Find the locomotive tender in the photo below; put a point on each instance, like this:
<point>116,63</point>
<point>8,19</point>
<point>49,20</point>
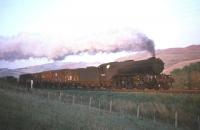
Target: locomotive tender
<point>128,74</point>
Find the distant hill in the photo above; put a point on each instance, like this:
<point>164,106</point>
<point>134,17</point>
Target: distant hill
<point>173,57</point>
<point>9,72</point>
<point>45,67</point>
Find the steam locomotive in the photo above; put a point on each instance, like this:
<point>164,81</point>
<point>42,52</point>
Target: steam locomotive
<point>128,74</point>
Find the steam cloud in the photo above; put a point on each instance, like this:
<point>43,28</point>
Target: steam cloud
<point>24,46</point>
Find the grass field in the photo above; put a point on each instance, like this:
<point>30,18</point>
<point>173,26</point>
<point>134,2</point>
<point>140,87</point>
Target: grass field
<point>48,110</point>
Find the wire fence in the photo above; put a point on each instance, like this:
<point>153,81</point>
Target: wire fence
<point>177,117</point>
<point>142,110</point>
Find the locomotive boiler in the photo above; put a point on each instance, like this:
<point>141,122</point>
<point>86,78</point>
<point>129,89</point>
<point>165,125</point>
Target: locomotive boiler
<point>128,74</point>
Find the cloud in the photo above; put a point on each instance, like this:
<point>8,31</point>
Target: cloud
<point>25,45</point>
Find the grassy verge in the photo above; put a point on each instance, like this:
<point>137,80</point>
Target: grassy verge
<point>20,110</point>
<point>159,105</point>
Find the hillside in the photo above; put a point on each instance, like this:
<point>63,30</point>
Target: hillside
<point>9,72</point>
<point>44,67</point>
<point>173,57</point>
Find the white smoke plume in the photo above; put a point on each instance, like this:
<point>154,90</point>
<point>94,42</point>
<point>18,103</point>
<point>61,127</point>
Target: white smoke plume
<point>24,46</point>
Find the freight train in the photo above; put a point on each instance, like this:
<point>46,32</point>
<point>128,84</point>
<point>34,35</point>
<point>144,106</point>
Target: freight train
<point>114,75</point>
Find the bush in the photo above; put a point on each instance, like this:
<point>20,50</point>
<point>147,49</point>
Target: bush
<point>188,77</point>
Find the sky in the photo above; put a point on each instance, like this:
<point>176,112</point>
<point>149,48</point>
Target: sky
<point>34,32</point>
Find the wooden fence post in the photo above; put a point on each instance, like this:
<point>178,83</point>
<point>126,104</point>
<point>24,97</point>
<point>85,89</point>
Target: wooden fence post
<point>60,95</point>
<point>154,116</point>
<point>73,99</point>
<point>48,95</point>
<point>198,122</point>
<point>31,83</point>
<point>138,110</point>
<point>176,119</point>
<point>99,105</point>
<point>120,110</point>
<point>81,100</point>
<point>90,102</point>
<point>110,105</point>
